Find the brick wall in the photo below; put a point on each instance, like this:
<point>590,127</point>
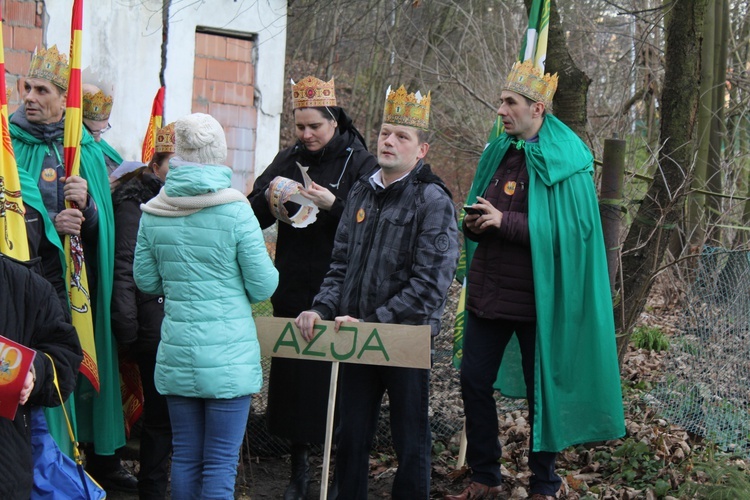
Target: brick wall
<point>223,86</point>
<point>22,33</point>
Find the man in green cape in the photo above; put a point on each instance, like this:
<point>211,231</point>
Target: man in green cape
<point>36,130</point>
<point>538,285</point>
<point>96,108</point>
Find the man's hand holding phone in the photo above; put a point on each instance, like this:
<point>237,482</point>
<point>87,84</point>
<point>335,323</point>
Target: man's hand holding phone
<point>482,216</point>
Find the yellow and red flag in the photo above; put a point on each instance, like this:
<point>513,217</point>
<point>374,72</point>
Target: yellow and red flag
<point>76,277</point>
<point>13,242</point>
<point>154,124</point>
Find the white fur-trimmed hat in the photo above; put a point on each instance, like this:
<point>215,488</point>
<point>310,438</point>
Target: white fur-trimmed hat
<point>199,138</point>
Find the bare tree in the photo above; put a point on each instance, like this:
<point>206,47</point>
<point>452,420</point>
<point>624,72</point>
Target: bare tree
<point>649,234</point>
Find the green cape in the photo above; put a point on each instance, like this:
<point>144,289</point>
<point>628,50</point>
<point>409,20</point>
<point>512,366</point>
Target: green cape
<point>577,379</point>
<point>99,417</point>
<point>109,151</point>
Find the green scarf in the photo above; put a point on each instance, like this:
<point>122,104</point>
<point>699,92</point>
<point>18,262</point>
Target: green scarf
<point>99,417</point>
<point>577,380</point>
<point>109,151</point>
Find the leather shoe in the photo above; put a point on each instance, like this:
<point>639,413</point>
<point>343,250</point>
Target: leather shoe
<point>118,480</point>
<point>477,491</point>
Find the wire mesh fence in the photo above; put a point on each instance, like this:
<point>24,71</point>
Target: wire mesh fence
<point>705,384</point>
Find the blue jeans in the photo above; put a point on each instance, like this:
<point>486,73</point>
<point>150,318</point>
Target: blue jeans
<point>485,341</point>
<point>361,389</point>
<point>207,434</point>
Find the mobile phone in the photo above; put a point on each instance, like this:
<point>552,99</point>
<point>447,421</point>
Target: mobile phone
<point>472,210</point>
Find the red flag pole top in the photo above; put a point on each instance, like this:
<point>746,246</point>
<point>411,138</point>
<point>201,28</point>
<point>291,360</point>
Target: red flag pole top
<point>73,116</point>
<point>155,122</point>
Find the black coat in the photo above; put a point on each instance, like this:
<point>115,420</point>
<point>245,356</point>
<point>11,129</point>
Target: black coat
<point>300,387</point>
<point>501,280</point>
<point>30,314</point>
<point>303,254</point>
<point>136,316</point>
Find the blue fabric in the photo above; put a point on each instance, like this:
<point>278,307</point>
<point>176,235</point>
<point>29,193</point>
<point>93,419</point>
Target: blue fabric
<point>361,389</point>
<point>207,438</point>
<point>210,266</point>
<point>56,476</point>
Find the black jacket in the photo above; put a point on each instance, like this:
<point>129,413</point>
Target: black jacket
<point>30,314</point>
<point>302,258</point>
<point>395,253</point>
<point>136,316</point>
<point>304,254</point>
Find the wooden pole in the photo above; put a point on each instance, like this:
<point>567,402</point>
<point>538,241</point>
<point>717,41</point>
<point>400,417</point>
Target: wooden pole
<point>329,430</point>
<point>462,448</point>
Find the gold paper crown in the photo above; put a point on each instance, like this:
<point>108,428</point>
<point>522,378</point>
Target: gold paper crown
<point>97,106</point>
<point>402,108</point>
<point>311,92</point>
<point>50,65</point>
<point>165,139</point>
<point>527,80</point>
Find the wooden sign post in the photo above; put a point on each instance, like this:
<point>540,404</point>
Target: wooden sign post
<point>365,343</point>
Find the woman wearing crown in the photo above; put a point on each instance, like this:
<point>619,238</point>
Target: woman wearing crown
<point>334,150</point>
<point>137,316</point>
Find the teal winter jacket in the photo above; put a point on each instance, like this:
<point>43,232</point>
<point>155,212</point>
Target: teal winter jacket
<point>200,245</point>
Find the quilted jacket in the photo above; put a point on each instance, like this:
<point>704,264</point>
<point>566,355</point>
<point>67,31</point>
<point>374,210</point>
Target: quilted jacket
<point>210,266</point>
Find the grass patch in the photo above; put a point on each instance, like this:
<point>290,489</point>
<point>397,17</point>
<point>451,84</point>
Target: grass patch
<point>649,337</point>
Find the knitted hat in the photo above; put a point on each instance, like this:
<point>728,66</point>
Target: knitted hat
<point>199,138</point>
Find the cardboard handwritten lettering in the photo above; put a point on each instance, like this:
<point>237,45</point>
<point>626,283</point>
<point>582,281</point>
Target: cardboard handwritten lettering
<point>364,343</point>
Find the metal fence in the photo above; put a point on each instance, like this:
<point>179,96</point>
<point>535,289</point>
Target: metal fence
<point>704,387</point>
<point>705,384</point>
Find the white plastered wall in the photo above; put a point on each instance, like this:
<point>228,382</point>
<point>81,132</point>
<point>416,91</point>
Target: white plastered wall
<point>122,44</point>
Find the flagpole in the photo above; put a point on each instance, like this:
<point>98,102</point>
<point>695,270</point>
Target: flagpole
<point>76,273</point>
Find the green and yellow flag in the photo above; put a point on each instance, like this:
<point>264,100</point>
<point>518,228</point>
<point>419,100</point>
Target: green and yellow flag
<point>13,241</point>
<point>76,277</point>
<point>534,48</point>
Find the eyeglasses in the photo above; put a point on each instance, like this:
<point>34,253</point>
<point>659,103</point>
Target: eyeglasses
<point>101,131</point>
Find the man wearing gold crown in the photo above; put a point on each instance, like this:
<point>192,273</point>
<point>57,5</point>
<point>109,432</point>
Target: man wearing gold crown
<point>394,257</point>
<point>96,108</point>
<point>537,269</point>
<point>36,130</point>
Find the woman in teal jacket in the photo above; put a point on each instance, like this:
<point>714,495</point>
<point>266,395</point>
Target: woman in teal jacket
<point>200,245</point>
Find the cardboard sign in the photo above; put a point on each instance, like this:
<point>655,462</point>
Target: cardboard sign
<point>365,343</point>
<point>15,362</point>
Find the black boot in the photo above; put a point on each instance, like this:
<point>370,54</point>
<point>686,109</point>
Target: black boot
<point>297,489</point>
